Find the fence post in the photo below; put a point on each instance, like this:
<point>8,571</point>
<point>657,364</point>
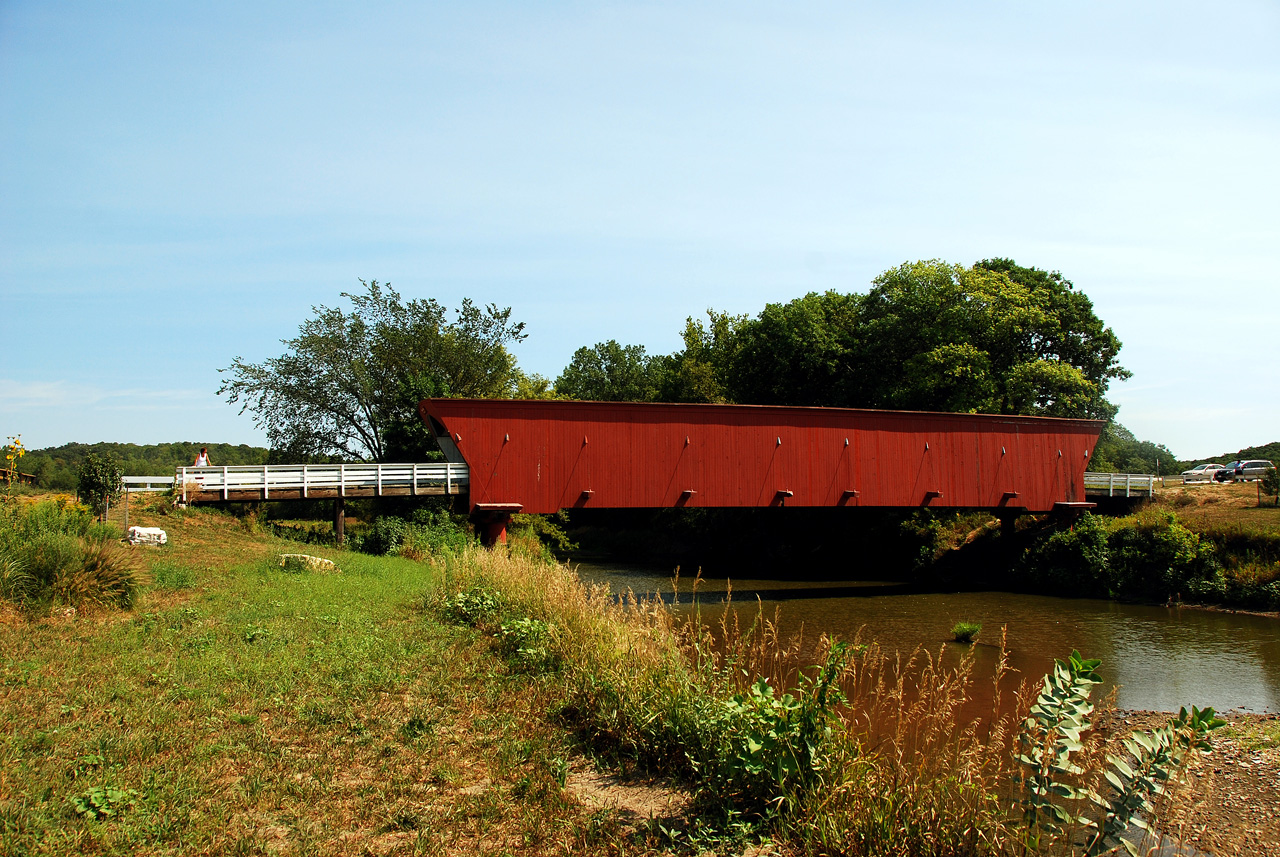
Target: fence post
<point>266,483</point>
<point>225,492</point>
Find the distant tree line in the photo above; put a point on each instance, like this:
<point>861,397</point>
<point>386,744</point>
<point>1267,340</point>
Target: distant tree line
<point>56,467</point>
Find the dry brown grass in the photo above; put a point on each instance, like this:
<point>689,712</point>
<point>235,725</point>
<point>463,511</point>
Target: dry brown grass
<point>1213,505</point>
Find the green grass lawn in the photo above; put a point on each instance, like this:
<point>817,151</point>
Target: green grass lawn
<point>243,709</point>
<point>238,708</point>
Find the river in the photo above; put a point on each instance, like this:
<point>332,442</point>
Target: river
<point>1157,658</point>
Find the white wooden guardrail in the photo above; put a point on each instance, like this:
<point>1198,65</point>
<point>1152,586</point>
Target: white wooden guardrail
<point>299,481</point>
<point>147,483</point>
<point>1120,484</point>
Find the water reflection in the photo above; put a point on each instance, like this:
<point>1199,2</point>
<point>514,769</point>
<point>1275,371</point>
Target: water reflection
<point>1156,657</point>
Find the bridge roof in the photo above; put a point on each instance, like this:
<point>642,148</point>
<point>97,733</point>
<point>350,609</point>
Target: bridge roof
<point>547,455</point>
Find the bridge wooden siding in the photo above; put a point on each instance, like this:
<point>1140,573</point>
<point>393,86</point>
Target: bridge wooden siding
<point>542,456</point>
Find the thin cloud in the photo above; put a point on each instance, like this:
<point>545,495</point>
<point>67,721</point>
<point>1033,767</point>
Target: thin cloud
<point>19,396</point>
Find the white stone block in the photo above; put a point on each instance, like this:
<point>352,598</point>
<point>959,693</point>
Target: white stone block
<point>148,536</point>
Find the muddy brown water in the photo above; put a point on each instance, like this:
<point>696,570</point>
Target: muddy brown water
<point>1157,658</point>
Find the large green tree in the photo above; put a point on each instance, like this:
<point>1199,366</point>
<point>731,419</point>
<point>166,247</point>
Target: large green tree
<point>699,372</point>
<point>609,372</point>
<point>804,352</point>
<point>996,337</point>
<point>944,337</point>
<point>348,385</point>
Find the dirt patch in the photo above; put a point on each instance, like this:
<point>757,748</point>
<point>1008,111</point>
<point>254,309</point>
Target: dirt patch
<point>635,800</point>
<point>1230,801</point>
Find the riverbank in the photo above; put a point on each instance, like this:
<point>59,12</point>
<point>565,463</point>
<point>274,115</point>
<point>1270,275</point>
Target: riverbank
<point>475,702</point>
<point>1233,806</point>
<point>242,709</point>
<point>1201,545</point>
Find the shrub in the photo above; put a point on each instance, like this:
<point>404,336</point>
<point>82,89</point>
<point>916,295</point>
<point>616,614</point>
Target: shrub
<point>16,583</point>
<point>384,537</point>
<point>475,607</point>
<point>105,575</point>
<point>434,531</point>
<point>99,481</point>
<point>965,632</point>
<point>540,535</point>
<point>527,645</point>
<point>1057,773</point>
<point>53,550</point>
<point>1270,485</point>
<point>1152,556</point>
<point>1073,561</point>
<point>771,746</point>
<point>1157,556</point>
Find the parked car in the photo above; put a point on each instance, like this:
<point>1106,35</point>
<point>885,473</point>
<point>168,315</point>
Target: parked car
<point>1228,472</point>
<point>1245,470</point>
<point>1201,473</point>
<point>1252,470</point>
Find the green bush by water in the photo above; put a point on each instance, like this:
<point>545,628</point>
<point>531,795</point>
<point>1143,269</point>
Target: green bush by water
<point>1151,556</point>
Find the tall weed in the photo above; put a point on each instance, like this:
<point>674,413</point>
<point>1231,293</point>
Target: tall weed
<point>54,551</point>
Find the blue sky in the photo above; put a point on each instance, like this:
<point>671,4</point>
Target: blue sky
<point>181,183</point>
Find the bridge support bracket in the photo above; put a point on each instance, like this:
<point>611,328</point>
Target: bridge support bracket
<point>1008,517</point>
<point>1070,510</point>
<point>491,519</point>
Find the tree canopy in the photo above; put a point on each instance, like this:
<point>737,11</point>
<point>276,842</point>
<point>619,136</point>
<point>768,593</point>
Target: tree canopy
<point>348,385</point>
<point>99,481</point>
<point>609,372</point>
<point>995,337</point>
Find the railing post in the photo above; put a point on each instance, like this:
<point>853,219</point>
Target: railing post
<point>225,494</point>
<point>378,477</point>
<point>342,480</point>
<point>448,478</point>
<point>304,482</point>
<point>182,471</point>
<point>413,490</point>
<point>266,483</point>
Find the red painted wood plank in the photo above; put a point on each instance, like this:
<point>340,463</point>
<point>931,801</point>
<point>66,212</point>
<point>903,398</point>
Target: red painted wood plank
<point>552,455</point>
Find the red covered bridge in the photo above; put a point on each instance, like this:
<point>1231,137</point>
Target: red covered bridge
<point>542,456</point>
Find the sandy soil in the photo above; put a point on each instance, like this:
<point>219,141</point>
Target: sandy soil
<point>1230,801</point>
